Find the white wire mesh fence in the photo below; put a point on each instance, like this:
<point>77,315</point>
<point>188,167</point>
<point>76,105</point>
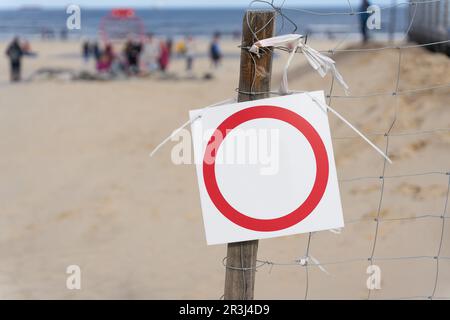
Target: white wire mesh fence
<point>430,13</point>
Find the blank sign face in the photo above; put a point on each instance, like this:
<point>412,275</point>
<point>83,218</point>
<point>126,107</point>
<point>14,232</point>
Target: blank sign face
<point>289,167</point>
<point>265,169</point>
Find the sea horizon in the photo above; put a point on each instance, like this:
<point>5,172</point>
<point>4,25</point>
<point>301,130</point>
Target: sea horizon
<point>32,22</point>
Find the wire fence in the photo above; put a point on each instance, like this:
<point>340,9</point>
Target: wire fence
<point>307,261</point>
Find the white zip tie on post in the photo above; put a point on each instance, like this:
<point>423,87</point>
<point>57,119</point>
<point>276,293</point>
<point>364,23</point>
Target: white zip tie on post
<point>176,131</point>
<point>326,107</point>
<point>320,62</point>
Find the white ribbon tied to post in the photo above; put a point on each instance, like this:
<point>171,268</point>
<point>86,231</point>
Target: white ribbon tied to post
<point>321,63</point>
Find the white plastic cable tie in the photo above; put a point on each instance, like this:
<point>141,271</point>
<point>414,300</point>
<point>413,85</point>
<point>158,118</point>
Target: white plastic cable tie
<point>326,107</point>
<point>303,261</point>
<point>176,131</point>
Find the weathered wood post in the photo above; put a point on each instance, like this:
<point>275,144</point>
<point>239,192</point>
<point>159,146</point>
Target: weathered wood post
<point>254,83</point>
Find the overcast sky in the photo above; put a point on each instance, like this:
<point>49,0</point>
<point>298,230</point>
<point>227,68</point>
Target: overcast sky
<point>170,3</point>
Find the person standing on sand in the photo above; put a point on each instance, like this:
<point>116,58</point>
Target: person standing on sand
<point>190,53</point>
<point>85,51</point>
<point>169,45</point>
<point>109,52</point>
<point>149,56</point>
<point>106,60</point>
<point>214,51</point>
<point>133,50</point>
<point>15,54</point>
<point>363,19</point>
<point>103,64</point>
<point>95,50</point>
<point>164,56</point>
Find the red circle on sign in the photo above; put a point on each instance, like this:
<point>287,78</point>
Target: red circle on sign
<point>320,154</point>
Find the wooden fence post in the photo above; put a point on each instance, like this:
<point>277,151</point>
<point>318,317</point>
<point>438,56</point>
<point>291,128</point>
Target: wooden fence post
<point>255,77</point>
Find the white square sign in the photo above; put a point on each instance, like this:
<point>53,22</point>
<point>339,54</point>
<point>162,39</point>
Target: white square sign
<point>266,169</point>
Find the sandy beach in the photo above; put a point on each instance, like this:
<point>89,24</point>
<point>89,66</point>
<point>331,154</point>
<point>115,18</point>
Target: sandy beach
<point>78,186</point>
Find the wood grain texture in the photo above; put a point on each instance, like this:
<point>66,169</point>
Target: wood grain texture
<point>255,77</point>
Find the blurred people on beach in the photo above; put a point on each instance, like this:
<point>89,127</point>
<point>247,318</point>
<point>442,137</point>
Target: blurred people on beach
<point>137,58</point>
<point>85,51</point>
<point>364,16</point>
<point>164,55</point>
<point>104,64</point>
<point>144,55</point>
<point>190,52</point>
<point>15,53</point>
<point>90,48</point>
<point>106,60</point>
<point>180,48</point>
<point>215,51</point>
<point>169,44</point>
<point>95,50</point>
<point>132,51</point>
<point>150,54</point>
